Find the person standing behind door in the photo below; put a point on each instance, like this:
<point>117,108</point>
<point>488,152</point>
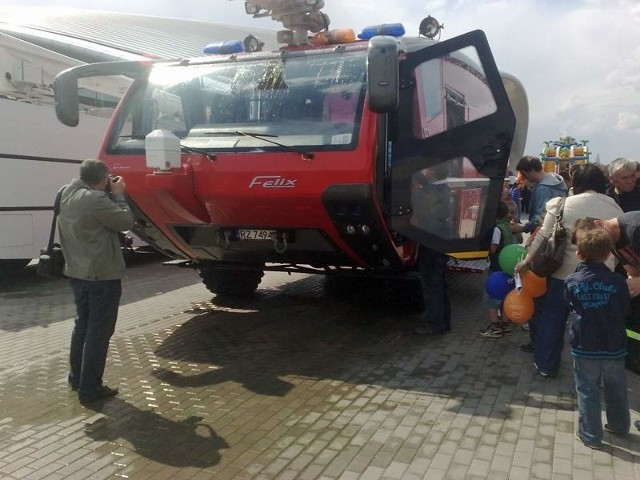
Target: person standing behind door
<point>89,222</point>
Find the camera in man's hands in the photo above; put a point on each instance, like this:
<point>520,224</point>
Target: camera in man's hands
<point>112,179</point>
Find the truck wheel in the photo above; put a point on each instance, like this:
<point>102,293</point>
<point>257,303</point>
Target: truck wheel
<point>231,283</point>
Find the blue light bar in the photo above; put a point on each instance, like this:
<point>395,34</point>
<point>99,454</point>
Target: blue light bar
<point>391,29</point>
<point>224,48</point>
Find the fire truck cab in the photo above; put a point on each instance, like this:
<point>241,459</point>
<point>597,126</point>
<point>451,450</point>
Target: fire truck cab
<point>337,156</point>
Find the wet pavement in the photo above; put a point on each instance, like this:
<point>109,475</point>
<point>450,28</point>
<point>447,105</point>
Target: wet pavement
<point>301,381</point>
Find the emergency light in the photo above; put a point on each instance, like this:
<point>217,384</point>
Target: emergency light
<point>224,48</point>
<point>333,37</point>
<point>391,29</point>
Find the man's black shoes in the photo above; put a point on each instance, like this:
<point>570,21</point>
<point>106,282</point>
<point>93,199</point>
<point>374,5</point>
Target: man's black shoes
<point>101,393</point>
<point>545,374</point>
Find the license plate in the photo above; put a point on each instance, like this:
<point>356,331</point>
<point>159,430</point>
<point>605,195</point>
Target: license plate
<point>254,234</point>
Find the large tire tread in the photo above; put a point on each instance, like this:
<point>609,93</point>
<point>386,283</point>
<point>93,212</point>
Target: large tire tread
<point>231,283</point>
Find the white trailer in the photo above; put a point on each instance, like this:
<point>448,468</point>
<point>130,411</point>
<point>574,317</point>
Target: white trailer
<point>37,153</point>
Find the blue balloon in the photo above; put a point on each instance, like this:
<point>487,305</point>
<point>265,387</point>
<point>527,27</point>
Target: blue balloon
<point>498,285</point>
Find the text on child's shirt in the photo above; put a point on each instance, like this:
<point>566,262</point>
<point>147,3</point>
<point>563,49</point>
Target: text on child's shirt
<point>593,295</point>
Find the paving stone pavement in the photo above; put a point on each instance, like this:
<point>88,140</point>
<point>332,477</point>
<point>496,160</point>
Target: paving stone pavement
<point>301,381</point>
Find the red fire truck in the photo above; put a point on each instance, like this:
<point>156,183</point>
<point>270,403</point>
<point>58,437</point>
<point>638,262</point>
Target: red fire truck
<point>333,154</point>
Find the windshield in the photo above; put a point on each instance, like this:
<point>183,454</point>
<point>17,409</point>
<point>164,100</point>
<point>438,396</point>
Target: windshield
<point>305,100</point>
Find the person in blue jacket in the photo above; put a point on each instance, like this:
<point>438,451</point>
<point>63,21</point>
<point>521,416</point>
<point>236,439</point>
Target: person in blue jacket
<point>601,301</point>
<point>547,186</point>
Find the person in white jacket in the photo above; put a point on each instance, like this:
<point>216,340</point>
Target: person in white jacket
<point>589,200</point>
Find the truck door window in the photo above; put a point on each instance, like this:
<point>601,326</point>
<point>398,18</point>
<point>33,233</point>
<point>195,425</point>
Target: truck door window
<point>440,104</point>
<point>447,198</point>
<point>450,149</point>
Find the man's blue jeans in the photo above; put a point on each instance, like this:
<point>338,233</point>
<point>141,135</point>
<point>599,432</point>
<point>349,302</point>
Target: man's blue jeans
<point>534,321</point>
<point>550,327</point>
<point>589,374</point>
<point>96,313</point>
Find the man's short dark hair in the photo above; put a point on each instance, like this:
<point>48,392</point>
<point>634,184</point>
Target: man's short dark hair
<point>529,163</point>
<point>589,177</point>
<point>93,171</point>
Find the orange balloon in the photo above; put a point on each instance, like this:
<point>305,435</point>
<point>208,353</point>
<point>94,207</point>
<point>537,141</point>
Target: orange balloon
<point>533,284</point>
<point>518,306</point>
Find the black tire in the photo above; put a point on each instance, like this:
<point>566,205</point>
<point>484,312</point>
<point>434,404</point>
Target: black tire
<point>230,282</point>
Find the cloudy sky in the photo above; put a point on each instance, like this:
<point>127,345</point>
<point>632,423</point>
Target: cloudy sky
<point>578,59</point>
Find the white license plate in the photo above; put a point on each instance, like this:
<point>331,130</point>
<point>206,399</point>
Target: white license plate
<point>252,234</point>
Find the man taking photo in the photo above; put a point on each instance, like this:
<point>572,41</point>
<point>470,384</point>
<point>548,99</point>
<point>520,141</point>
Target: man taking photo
<point>93,211</point>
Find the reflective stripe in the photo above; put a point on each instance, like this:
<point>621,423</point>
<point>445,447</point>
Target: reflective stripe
<point>632,334</point>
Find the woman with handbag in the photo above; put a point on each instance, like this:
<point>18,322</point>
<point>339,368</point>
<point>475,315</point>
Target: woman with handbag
<point>589,200</point>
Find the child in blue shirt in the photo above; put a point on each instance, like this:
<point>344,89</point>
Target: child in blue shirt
<point>601,302</point>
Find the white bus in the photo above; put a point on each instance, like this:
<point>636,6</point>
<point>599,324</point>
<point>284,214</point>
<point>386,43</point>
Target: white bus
<point>37,153</point>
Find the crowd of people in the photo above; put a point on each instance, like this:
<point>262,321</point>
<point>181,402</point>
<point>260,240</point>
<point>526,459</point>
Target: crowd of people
<point>596,290</point>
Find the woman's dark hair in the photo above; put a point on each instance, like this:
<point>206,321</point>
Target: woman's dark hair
<point>589,177</point>
<point>529,163</point>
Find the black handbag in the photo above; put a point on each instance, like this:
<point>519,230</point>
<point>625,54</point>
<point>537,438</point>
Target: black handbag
<point>550,253</point>
<point>51,260</point>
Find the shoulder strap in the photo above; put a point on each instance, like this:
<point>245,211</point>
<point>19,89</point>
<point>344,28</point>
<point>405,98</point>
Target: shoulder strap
<point>560,211</point>
<point>56,212</point>
<point>557,224</point>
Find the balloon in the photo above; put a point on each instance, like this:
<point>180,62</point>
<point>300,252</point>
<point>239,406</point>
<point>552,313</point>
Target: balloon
<point>518,306</point>
<point>533,284</point>
<point>498,285</point>
<point>509,256</point>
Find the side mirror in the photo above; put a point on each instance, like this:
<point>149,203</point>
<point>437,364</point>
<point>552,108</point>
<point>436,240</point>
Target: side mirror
<point>65,87</point>
<point>383,73</point>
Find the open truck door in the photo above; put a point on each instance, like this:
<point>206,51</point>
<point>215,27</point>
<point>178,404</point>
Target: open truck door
<point>452,136</point>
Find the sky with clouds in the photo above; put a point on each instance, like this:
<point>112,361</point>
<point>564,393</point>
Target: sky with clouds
<point>578,59</point>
